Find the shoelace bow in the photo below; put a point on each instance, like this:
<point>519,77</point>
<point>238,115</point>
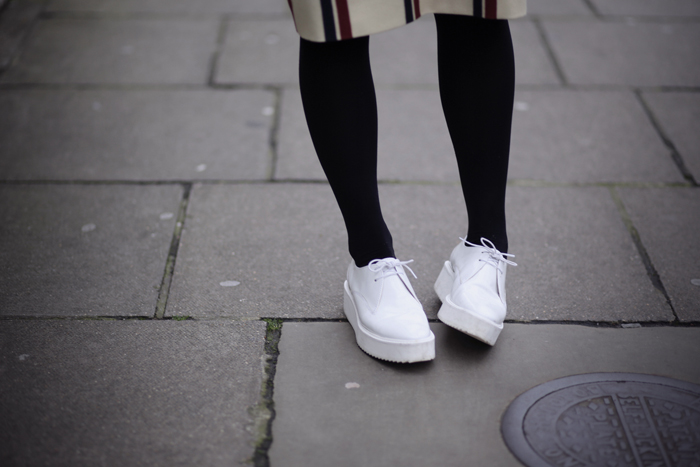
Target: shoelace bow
<point>389,267</point>
<point>495,257</point>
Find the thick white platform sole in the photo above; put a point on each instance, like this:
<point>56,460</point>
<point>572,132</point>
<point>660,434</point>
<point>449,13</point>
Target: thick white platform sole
<point>462,319</point>
<point>383,348</point>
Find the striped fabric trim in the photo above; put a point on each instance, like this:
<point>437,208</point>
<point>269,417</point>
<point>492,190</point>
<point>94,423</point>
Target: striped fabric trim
<point>486,9</point>
<point>330,10</point>
<point>339,8</point>
<point>344,19</point>
<point>328,20</point>
<point>335,20</point>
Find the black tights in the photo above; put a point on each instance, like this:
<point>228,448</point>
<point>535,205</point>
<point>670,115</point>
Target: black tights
<point>477,79</point>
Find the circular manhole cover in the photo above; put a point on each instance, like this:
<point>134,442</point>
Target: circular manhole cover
<point>607,420</point>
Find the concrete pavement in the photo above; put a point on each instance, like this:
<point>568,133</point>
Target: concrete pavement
<point>172,258</point>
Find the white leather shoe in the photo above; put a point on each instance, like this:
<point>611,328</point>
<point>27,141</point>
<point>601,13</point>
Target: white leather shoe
<point>388,319</point>
<point>472,287</point>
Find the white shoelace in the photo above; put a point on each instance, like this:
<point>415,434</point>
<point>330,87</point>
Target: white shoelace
<point>495,257</point>
<point>389,267</point>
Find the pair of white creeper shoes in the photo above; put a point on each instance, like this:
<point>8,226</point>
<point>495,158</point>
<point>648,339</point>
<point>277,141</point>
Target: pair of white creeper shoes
<point>389,321</point>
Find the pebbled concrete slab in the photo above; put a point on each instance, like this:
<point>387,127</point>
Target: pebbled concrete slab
<point>446,412</point>
<point>284,244</point>
<point>268,52</point>
<point>678,113</point>
<point>135,135</point>
<point>413,140</point>
<point>278,249</point>
<point>129,392</point>
<point>586,136</point>
<point>172,6</point>
<point>15,22</point>
<point>648,7</point>
<point>668,224</point>
<point>259,52</point>
<point>84,250</point>
<point>657,54</point>
<point>558,8</point>
<point>576,259</point>
<point>558,136</point>
<point>116,51</point>
<point>408,55</point>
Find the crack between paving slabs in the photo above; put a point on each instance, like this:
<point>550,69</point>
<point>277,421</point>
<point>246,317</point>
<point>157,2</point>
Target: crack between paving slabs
<point>274,131</point>
<point>172,254</point>
<point>558,70</point>
<point>646,259</point>
<point>264,412</point>
<point>220,42</point>
<point>675,154</point>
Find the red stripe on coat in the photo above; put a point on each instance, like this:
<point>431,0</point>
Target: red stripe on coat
<point>491,9</point>
<point>341,6</point>
<point>416,8</point>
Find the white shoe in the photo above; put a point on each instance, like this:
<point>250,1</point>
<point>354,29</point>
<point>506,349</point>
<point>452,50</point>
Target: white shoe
<point>388,319</point>
<point>472,287</point>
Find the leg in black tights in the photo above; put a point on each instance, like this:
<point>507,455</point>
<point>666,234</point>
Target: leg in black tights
<point>477,81</point>
<point>341,110</point>
<point>475,61</point>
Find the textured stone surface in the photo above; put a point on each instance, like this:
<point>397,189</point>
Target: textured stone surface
<point>648,7</point>
<point>172,6</point>
<point>576,260</point>
<point>268,51</point>
<point>134,135</point>
<point>413,140</point>
<point>284,245</point>
<point>287,250</point>
<point>72,250</point>
<point>558,136</point>
<point>128,392</point>
<point>586,136</point>
<point>678,113</point>
<point>15,22</point>
<point>259,52</point>
<point>446,412</point>
<point>408,55</point>
<point>668,221</point>
<point>657,54</point>
<point>122,51</point>
<point>557,8</point>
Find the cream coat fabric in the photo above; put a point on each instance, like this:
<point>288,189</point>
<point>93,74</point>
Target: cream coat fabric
<point>332,20</point>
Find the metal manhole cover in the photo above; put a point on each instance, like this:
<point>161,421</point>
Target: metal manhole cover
<point>606,420</point>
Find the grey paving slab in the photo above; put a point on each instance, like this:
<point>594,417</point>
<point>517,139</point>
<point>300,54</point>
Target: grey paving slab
<point>268,51</point>
<point>135,135</point>
<point>84,250</point>
<point>446,412</point>
<point>586,136</point>
<point>576,259</point>
<point>259,52</point>
<point>278,249</point>
<point>558,8</point>
<point>128,392</point>
<point>414,143</point>
<point>408,55</point>
<point>678,113</point>
<point>657,54</point>
<point>648,7</point>
<point>668,221</point>
<point>285,246</point>
<point>15,22</point>
<point>171,6</point>
<point>119,51</point>
<point>559,136</point>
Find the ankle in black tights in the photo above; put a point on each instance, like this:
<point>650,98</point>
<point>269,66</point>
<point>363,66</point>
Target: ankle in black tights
<point>476,70</point>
